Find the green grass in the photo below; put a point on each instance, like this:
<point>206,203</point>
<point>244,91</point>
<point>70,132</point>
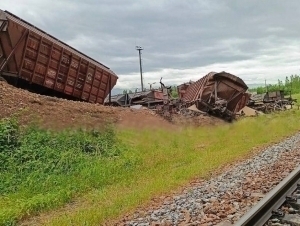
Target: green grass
<point>135,166</point>
<point>41,169</point>
<point>297,96</point>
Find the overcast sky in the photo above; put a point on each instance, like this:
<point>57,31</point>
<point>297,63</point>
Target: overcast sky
<point>182,40</point>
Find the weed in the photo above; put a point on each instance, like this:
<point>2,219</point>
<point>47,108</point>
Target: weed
<point>35,161</point>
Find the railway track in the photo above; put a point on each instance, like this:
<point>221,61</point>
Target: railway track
<point>281,206</point>
<point>225,198</point>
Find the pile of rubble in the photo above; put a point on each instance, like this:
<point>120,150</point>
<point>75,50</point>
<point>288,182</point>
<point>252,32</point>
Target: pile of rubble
<point>218,94</point>
<point>271,101</point>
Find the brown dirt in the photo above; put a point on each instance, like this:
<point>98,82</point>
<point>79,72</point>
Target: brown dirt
<point>201,120</point>
<point>57,113</point>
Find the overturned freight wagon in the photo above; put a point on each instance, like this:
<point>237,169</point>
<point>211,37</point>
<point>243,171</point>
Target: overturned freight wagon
<point>221,94</point>
<point>31,56</point>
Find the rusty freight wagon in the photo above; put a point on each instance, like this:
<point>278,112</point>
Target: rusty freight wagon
<point>221,94</point>
<point>31,56</point>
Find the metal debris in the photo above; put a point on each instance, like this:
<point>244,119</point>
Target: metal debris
<point>220,94</point>
<point>271,101</point>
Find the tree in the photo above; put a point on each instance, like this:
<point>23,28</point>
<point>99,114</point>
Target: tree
<point>291,84</point>
<point>174,92</point>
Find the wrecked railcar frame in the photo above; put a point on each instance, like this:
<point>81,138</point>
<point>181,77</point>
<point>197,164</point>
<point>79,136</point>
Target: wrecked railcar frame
<point>149,99</point>
<point>221,94</point>
<point>271,101</point>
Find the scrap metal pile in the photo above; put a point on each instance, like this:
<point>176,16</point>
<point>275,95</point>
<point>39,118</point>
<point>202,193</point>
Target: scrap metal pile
<point>271,101</point>
<point>220,94</point>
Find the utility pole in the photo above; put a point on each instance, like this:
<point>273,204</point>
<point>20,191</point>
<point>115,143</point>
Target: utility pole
<point>138,48</point>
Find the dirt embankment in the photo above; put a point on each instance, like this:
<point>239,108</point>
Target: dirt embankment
<point>57,113</point>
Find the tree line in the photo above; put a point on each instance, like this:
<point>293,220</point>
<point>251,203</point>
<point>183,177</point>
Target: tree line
<point>290,85</point>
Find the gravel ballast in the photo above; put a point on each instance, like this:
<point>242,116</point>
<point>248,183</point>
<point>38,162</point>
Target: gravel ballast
<point>223,199</point>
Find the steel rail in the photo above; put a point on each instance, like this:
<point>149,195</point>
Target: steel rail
<point>262,211</point>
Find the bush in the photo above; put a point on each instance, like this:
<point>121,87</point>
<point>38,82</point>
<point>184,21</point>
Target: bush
<point>8,135</point>
<point>9,141</point>
<point>35,154</point>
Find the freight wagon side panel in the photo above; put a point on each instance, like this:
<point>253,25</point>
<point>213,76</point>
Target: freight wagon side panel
<point>34,56</point>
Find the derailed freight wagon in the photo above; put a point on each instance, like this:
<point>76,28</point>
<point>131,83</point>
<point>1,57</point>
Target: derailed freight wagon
<point>31,56</point>
<point>221,94</point>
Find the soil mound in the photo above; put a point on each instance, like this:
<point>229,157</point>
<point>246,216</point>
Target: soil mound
<point>57,113</point>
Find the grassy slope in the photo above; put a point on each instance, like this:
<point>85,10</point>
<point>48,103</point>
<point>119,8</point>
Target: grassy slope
<point>297,96</point>
<point>160,161</point>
